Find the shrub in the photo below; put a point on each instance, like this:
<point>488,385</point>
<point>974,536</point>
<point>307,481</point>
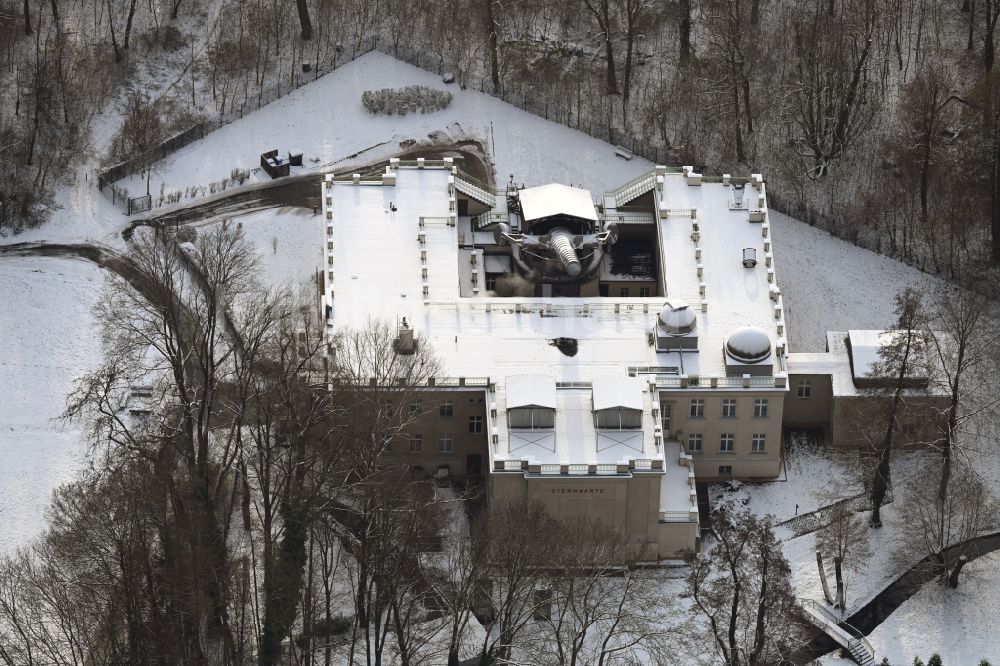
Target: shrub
<point>389,101</point>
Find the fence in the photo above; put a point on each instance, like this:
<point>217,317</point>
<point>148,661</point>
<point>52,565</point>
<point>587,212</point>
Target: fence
<point>119,196</point>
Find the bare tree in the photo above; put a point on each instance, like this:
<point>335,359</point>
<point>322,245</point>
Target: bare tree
<point>305,22</point>
<point>522,540</point>
<point>601,12</point>
<point>830,100</point>
<point>142,130</point>
<point>945,531</point>
<point>729,56</point>
<point>963,344</point>
<point>172,327</point>
<point>601,611</point>
<point>845,538</point>
<point>900,358</point>
<point>742,589</point>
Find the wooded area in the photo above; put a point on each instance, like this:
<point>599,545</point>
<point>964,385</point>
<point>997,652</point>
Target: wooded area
<point>876,119</point>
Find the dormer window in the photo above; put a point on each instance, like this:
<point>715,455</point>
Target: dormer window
<point>531,418</point>
<point>618,403</point>
<point>531,402</point>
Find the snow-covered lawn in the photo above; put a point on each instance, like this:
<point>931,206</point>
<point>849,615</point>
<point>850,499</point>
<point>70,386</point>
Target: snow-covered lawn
<point>832,285</point>
<point>327,122</point>
<point>959,624</point>
<point>48,336</point>
<point>290,243</point>
<point>814,476</point>
<point>893,549</point>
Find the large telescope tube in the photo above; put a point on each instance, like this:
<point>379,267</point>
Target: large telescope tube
<point>561,241</point>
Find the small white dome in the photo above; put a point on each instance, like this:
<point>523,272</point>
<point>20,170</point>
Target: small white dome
<point>676,318</point>
<point>748,344</point>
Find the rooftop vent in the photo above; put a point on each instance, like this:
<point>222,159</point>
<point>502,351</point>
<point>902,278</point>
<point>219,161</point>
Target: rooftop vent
<point>676,327</point>
<point>749,257</point>
<point>676,318</point>
<point>748,345</point>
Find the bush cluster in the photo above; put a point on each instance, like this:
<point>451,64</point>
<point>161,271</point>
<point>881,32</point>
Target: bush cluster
<point>389,101</point>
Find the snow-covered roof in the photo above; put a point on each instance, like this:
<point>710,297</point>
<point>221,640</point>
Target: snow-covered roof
<point>531,391</point>
<point>556,199</point>
<point>865,347</point>
<point>617,391</point>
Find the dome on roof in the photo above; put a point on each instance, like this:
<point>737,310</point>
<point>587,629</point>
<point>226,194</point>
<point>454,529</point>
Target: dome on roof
<point>676,318</point>
<point>748,344</point>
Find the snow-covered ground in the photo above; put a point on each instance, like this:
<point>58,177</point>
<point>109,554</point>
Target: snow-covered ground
<point>959,624</point>
<point>290,243</point>
<point>832,285</point>
<point>326,120</point>
<point>48,337</point>
<point>889,558</point>
<point>814,476</point>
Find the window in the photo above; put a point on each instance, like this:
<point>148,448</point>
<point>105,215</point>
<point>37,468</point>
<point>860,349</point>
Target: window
<point>760,407</point>
<point>416,406</point>
<point>532,418</point>
<point>665,409</point>
<point>729,408</point>
<point>447,407</point>
<point>416,443</point>
<point>725,470</point>
<point>444,443</point>
<point>757,443</point>
<point>643,292</point>
<point>805,389</point>
<point>697,408</point>
<point>694,442</point>
<point>726,443</point>
<point>491,281</point>
<point>475,424</point>
<point>618,418</point>
<point>623,292</point>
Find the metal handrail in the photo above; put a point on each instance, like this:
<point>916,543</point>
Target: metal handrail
<point>857,637</point>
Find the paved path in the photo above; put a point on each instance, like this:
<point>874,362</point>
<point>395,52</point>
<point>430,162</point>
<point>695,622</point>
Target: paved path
<point>892,597</point>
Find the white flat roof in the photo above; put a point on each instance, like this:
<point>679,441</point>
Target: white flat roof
<point>380,268</point>
<point>556,199</point>
<point>865,347</point>
<point>617,391</point>
<point>530,391</point>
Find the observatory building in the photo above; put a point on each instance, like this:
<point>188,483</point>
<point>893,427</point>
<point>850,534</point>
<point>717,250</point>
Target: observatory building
<point>597,357</point>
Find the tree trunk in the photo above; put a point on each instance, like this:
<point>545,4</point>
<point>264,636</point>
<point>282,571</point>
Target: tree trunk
<point>27,18</point>
<point>822,577</point>
<point>493,43</point>
<point>128,25</point>
<point>304,21</point>
<point>738,123</point>
<point>173,10</point>
<point>838,563</point>
<point>612,77</point>
<point>953,578</point>
<point>282,585</point>
<point>685,31</point>
<point>995,192</point>
<point>972,25</point>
